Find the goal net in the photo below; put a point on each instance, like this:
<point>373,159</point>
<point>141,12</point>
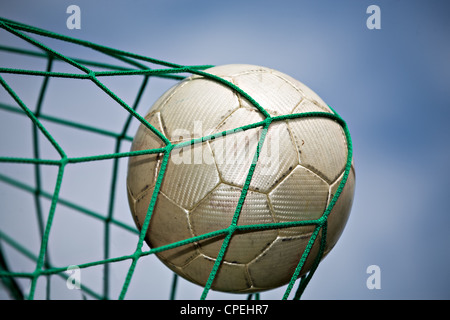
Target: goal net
<point>68,111</point>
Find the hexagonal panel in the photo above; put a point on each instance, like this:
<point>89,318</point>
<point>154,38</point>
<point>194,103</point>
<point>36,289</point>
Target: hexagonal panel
<point>196,108</point>
<point>322,145</point>
<point>190,175</point>
<point>216,212</point>
<point>302,195</point>
<point>307,92</point>
<point>143,169</point>
<point>270,89</point>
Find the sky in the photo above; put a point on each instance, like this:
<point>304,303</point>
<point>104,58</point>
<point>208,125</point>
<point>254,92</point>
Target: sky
<point>389,84</point>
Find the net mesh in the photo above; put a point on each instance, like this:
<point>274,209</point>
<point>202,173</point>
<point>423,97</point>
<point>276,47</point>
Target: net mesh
<point>130,65</point>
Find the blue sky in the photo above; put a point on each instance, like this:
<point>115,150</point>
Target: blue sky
<point>390,85</point>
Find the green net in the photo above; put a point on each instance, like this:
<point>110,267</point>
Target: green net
<point>130,65</point>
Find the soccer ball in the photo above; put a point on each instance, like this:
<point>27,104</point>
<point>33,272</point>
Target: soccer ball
<point>300,166</point>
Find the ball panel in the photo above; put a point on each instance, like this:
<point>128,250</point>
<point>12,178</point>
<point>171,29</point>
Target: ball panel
<point>302,195</point>
<point>278,157</point>
<point>278,154</point>
<point>190,175</point>
<point>204,104</point>
<point>216,212</point>
<point>233,155</point>
<point>283,256</point>
<point>309,106</point>
<point>272,92</point>
<point>321,144</point>
<point>229,277</point>
<point>340,213</point>
<point>239,118</point>
<point>143,169</point>
<point>132,205</point>
<point>168,224</point>
<point>306,91</point>
<point>165,97</point>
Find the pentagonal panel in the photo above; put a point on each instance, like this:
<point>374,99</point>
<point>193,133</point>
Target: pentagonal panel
<point>143,169</point>
<point>202,103</point>
<point>234,154</point>
<point>322,145</point>
<point>190,174</point>
<point>302,195</point>
<point>168,224</point>
<point>278,156</point>
<point>216,212</point>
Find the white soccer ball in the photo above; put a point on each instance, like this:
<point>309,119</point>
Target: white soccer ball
<point>300,167</point>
